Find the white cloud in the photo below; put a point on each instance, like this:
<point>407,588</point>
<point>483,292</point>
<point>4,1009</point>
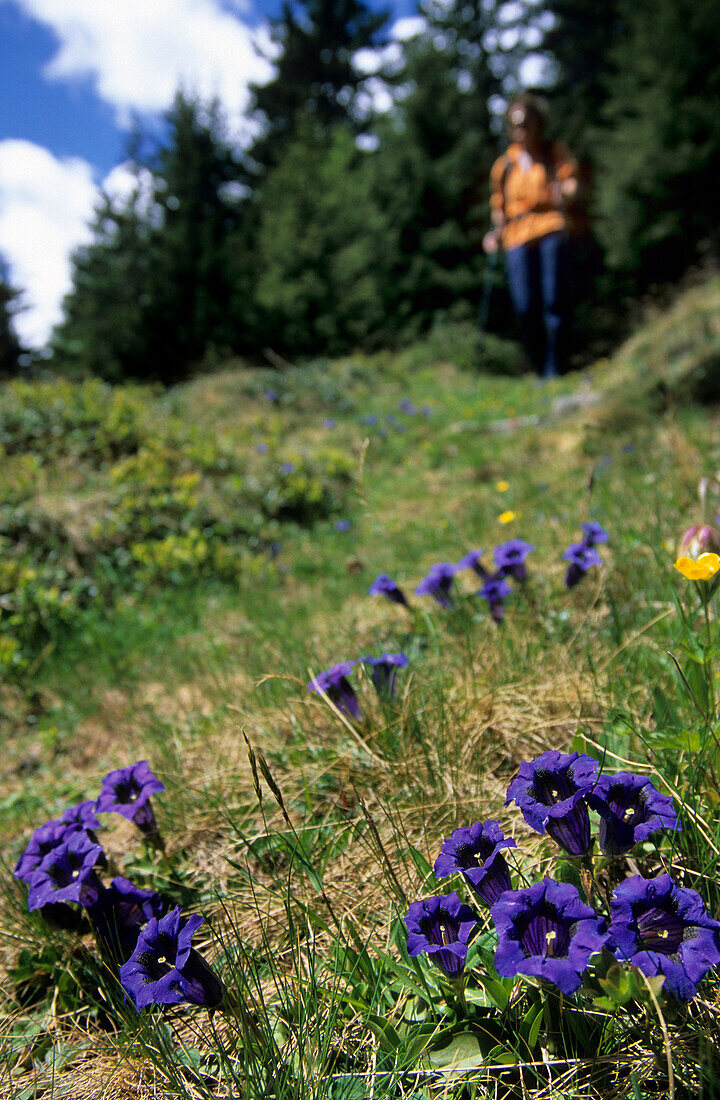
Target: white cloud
<point>45,207</point>
<point>137,53</point>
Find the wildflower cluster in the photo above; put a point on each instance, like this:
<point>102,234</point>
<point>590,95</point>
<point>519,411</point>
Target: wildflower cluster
<point>582,555</point>
<point>334,681</point>
<point>549,930</point>
<point>62,866</point>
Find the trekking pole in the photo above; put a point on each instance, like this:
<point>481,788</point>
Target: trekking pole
<point>487,289</point>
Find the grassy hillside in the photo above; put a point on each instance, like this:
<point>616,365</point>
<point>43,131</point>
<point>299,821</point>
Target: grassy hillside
<point>176,566</point>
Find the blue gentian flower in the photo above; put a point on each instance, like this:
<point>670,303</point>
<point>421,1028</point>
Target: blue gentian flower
<point>127,791</point>
<point>384,585</point>
<point>510,558</point>
<point>82,816</point>
<point>581,557</point>
<point>438,583</point>
<point>441,927</point>
<point>594,533</point>
<point>261,448</point>
<point>426,410</point>
<point>165,969</point>
<point>43,841</point>
<point>287,468</point>
<point>630,809</point>
<point>551,793</point>
<point>329,423</point>
<point>407,406</point>
<point>67,873</point>
<point>371,420</point>
<point>472,561</point>
<point>342,525</point>
<point>120,912</point>
<point>495,590</point>
<point>664,929</point>
<point>385,670</point>
<point>547,932</point>
<point>272,396</point>
<point>476,852</point>
<point>334,683</point>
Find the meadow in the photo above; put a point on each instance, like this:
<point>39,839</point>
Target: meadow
<point>179,565</point>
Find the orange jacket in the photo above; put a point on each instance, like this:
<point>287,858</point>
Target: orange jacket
<point>524,194</point>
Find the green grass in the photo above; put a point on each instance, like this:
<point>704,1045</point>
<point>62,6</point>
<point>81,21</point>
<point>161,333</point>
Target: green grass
<point>304,867</point>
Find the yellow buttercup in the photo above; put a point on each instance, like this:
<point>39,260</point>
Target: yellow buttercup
<point>700,569</point>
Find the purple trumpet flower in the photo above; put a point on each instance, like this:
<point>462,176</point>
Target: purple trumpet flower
<point>82,816</point>
<point>472,561</point>
<point>127,791</point>
<point>67,873</point>
<point>384,585</point>
<point>594,533</point>
<point>120,912</point>
<point>43,841</point>
<point>494,591</point>
<point>581,557</point>
<point>438,583</point>
<point>385,670</point>
<point>546,932</point>
<point>630,809</point>
<point>551,793</point>
<point>335,684</point>
<point>441,927</point>
<point>510,558</point>
<point>664,929</point>
<point>165,969</point>
<point>476,851</point>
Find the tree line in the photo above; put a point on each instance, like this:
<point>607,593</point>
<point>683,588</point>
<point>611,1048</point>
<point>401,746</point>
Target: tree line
<point>341,225</point>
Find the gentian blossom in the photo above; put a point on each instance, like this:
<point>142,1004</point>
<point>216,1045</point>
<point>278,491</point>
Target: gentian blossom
<point>510,558</point>
<point>472,561</point>
<point>43,841</point>
<point>335,684</point>
<point>127,791</point>
<point>165,969</point>
<point>120,912</point>
<point>438,583</point>
<point>407,406</point>
<point>495,590</point>
<point>287,468</point>
<point>82,816</point>
<point>594,533</point>
<point>385,670</point>
<point>476,851</point>
<point>581,557</point>
<point>67,873</point>
<point>548,932</point>
<point>664,929</point>
<point>630,810</point>
<point>384,585</point>
<point>342,525</point>
<point>441,927</point>
<point>551,793</point>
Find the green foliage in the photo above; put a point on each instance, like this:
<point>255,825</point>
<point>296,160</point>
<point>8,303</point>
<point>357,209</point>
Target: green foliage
<point>658,149</point>
<point>316,82</point>
<point>320,248</point>
<point>10,347</point>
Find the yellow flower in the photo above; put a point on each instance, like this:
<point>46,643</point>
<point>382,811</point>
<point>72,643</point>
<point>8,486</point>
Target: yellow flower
<point>502,486</point>
<point>507,517</point>
<point>703,569</point>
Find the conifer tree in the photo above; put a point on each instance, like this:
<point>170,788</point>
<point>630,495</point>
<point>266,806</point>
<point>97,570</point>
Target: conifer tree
<point>315,78</point>
<point>10,347</point>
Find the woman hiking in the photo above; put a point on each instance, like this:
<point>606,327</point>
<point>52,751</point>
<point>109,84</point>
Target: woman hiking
<point>531,185</point>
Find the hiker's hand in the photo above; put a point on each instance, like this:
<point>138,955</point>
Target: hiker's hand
<point>491,241</point>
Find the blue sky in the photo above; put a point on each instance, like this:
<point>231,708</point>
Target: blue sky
<point>73,74</point>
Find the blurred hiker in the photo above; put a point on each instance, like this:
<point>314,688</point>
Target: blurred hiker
<point>531,187</point>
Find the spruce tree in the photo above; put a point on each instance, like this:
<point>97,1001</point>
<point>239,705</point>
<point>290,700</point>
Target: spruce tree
<point>10,347</point>
<point>316,80</point>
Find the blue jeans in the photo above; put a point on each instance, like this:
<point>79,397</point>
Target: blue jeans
<point>537,277</point>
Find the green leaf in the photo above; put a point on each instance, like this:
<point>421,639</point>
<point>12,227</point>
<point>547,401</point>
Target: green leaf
<point>462,1053</point>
